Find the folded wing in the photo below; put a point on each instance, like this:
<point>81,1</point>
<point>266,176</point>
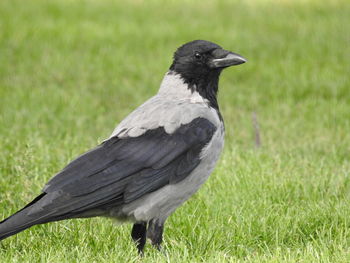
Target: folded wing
<point>120,171</point>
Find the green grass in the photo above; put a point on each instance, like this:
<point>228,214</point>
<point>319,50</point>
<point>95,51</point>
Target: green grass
<point>71,70</point>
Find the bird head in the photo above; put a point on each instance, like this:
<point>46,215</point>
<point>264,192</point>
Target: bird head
<point>200,62</point>
<point>201,57</point>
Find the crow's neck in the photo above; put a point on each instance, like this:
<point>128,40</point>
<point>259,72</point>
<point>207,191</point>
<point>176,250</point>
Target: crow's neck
<point>207,86</point>
<point>183,86</point>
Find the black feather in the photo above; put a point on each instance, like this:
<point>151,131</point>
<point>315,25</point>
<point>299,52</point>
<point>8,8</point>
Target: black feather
<point>116,172</point>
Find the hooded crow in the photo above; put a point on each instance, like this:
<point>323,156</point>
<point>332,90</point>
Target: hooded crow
<point>155,159</point>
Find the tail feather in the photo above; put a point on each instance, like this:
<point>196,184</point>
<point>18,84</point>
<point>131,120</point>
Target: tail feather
<point>45,208</point>
<point>20,220</point>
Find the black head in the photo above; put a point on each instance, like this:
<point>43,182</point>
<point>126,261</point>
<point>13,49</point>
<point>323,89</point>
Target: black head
<point>200,63</point>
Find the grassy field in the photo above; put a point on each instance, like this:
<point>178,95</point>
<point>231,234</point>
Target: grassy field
<point>71,70</point>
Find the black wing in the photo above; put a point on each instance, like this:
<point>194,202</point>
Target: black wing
<point>122,170</point>
<point>116,172</point>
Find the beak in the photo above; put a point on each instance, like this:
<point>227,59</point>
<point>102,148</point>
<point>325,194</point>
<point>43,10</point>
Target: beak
<point>223,58</point>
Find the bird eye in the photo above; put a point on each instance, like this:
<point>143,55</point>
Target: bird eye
<point>197,55</point>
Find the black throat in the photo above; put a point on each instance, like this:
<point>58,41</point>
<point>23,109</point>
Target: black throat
<point>206,85</point>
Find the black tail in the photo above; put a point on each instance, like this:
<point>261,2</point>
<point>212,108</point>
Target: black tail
<point>20,220</point>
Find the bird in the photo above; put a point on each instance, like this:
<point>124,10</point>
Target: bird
<point>154,160</point>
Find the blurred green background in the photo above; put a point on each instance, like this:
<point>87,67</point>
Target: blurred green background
<point>71,70</point>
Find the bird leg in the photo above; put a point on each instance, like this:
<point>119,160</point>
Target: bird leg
<point>155,232</point>
<point>138,234</point>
